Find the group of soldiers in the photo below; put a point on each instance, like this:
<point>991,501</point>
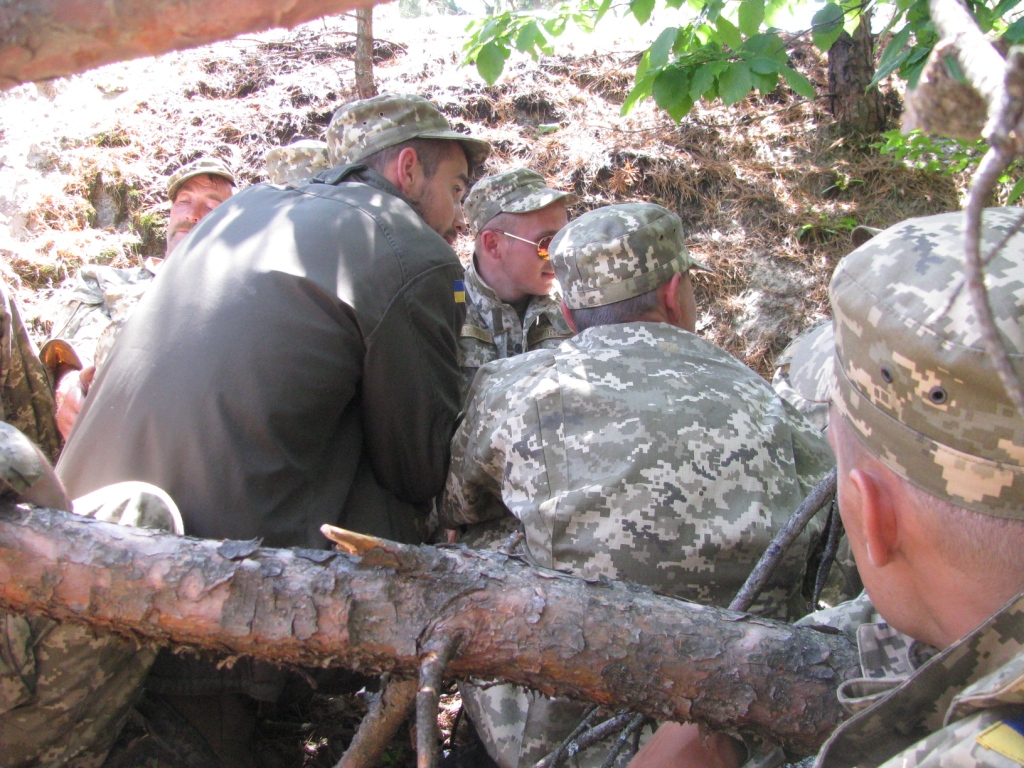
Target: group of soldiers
<point>305,355</point>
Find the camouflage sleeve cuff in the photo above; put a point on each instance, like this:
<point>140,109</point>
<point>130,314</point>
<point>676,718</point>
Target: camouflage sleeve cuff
<point>21,467</point>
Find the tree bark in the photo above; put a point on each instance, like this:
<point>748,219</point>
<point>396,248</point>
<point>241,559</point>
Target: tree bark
<point>615,644</point>
<point>41,39</point>
<point>851,67</point>
<point>365,86</point>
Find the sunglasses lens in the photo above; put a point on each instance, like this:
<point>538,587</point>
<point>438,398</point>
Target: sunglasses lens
<point>543,245</point>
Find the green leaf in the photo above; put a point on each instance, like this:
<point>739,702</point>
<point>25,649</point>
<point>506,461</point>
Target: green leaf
<point>1016,192</point>
<point>602,10</point>
<point>641,9</point>
<point>527,37</point>
<point>1015,32</point>
<point>662,47</point>
<point>763,66</point>
<point>735,83</point>
<point>702,81</point>
<point>640,91</point>
<point>555,26</point>
<point>751,15</point>
<point>728,33</point>
<point>800,84</point>
<point>827,26</point>
<point>765,84</point>
<point>490,62</point>
<point>893,56</point>
<point>671,92</point>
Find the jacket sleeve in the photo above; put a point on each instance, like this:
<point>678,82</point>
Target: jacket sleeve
<point>411,385</point>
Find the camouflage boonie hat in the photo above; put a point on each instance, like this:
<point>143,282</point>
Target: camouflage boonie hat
<point>617,252</point>
<point>299,161</point>
<point>208,165</point>
<point>913,378</point>
<point>364,127</point>
<point>517,191</point>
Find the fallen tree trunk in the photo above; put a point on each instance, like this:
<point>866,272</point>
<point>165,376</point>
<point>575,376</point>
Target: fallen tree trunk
<point>615,644</point>
<point>41,39</point>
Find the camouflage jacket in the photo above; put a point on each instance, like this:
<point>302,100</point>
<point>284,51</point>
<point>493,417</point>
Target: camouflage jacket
<point>99,304</point>
<point>492,330</point>
<point>26,396</point>
<point>814,412</point>
<point>636,452</point>
<point>916,708</point>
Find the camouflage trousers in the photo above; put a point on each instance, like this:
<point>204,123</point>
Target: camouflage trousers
<point>66,689</point>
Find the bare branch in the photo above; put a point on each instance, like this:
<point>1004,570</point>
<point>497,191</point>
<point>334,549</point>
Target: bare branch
<point>436,656</point>
<point>389,710</point>
<point>820,496</point>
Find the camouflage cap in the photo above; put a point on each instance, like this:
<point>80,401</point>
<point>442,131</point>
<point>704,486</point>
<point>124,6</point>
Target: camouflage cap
<point>617,252</point>
<point>517,191</point>
<point>811,360</point>
<point>208,165</point>
<point>913,378</point>
<point>364,127</point>
<point>298,162</point>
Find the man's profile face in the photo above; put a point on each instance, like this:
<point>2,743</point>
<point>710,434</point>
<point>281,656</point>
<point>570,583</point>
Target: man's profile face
<point>438,200</point>
<point>194,199</point>
<point>526,273</point>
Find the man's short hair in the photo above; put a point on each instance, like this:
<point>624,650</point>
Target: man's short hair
<point>913,377</point>
<point>430,152</point>
<point>625,311</point>
<point>365,127</point>
<point>617,252</point>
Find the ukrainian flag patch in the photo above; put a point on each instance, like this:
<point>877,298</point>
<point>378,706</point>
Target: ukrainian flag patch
<point>1005,737</point>
<point>460,292</point>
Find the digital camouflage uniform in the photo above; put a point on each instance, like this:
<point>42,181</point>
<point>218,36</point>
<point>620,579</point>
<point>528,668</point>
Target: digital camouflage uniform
<point>635,451</point>
<point>914,381</point>
<point>103,298</point>
<point>26,398</point>
<point>65,690</point>
<point>297,163</point>
<point>493,329</point>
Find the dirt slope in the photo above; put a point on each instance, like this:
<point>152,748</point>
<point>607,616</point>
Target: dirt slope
<point>766,189</point>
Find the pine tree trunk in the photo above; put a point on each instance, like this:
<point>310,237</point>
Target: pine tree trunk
<point>365,85</point>
<point>615,644</point>
<point>42,39</point>
<point>851,67</point>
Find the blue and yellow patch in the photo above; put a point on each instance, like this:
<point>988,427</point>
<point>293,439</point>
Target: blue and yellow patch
<point>1005,737</point>
<point>460,292</point>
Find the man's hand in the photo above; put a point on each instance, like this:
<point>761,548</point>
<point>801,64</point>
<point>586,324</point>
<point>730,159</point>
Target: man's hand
<point>677,745</point>
<point>70,394</point>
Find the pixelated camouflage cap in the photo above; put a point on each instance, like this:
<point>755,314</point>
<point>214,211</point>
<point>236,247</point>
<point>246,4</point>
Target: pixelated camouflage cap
<point>517,191</point>
<point>913,378</point>
<point>811,360</point>
<point>296,163</point>
<point>617,252</point>
<point>208,165</point>
<point>361,128</point>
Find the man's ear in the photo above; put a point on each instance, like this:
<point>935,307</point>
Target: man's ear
<point>489,245</point>
<point>668,299</point>
<point>568,317</point>
<point>879,518</point>
<point>406,171</point>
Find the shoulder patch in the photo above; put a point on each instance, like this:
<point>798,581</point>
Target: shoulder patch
<point>1005,737</point>
<point>460,292</point>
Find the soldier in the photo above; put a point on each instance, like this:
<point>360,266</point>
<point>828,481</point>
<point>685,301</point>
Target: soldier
<point>297,163</point>
<point>633,451</point>
<point>797,356</point>
<point>65,689</point>
<point>295,365</point>
<point>930,451</point>
<point>513,216</point>
<point>103,297</point>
